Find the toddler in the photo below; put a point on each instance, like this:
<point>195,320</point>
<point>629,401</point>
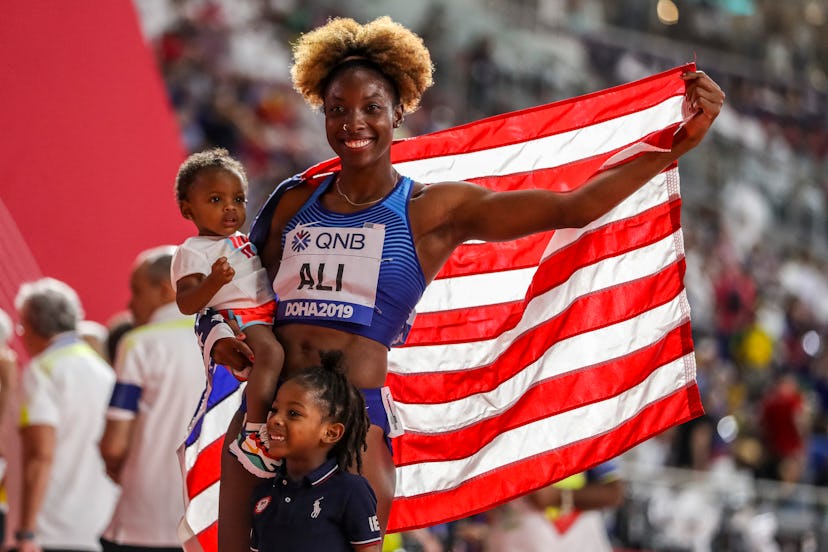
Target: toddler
<point>220,269</point>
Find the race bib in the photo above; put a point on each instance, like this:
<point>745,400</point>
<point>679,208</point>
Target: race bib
<point>330,273</point>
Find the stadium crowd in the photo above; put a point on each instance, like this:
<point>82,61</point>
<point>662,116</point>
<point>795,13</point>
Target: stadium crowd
<point>755,197</point>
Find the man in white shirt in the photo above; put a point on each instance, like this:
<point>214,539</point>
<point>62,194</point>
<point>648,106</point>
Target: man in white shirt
<point>66,496</point>
<point>160,377</point>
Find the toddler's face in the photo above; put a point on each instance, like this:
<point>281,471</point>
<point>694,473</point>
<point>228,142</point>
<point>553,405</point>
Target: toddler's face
<point>216,203</point>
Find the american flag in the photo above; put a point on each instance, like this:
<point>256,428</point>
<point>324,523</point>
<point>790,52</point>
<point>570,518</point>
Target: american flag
<point>535,359</point>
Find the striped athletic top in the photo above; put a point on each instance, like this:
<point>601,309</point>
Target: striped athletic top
<point>401,281</point>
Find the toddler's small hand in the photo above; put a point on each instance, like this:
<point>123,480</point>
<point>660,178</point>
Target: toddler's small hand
<point>222,271</point>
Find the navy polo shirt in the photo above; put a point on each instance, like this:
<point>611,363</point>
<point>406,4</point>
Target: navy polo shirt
<point>329,510</point>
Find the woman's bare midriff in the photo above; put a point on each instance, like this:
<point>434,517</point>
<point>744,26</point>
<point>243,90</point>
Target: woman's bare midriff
<point>366,360</point>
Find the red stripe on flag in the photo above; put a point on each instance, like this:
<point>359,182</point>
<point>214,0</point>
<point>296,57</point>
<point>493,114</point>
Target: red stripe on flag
<point>512,480</point>
<point>463,325</point>
<point>209,538</point>
<point>206,470</point>
<point>476,258</point>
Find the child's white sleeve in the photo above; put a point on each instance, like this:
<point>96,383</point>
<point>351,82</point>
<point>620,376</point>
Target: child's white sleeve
<point>186,261</point>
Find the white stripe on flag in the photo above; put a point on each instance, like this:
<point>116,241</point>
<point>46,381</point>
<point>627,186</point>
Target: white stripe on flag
<point>214,425</point>
<point>548,152</point>
<point>202,509</point>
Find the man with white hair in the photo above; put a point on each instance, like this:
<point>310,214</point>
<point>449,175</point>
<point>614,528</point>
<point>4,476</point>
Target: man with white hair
<point>160,376</point>
<point>66,496</point>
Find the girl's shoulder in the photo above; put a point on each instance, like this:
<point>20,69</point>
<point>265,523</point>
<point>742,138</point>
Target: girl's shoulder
<point>354,482</point>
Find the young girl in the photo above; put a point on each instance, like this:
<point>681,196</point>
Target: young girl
<point>318,425</point>
<point>219,268</point>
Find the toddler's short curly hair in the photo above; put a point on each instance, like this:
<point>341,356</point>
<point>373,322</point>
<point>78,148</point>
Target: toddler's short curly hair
<point>394,50</point>
<point>214,158</point>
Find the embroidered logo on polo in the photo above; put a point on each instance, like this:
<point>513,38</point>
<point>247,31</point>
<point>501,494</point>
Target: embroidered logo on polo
<point>330,273</point>
<point>317,507</point>
<point>262,504</point>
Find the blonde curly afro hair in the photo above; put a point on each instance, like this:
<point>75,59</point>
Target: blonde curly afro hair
<point>397,53</point>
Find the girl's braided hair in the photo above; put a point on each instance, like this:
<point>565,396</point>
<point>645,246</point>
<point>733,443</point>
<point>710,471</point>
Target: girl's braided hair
<point>341,402</point>
<point>395,51</point>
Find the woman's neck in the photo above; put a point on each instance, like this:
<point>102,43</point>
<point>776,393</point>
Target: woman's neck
<point>365,185</point>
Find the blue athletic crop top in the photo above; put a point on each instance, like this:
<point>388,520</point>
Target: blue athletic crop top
<point>401,282</point>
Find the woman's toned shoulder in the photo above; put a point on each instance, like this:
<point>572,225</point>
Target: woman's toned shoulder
<point>300,192</point>
<point>439,214</point>
<point>289,204</point>
<point>291,201</point>
<point>446,193</point>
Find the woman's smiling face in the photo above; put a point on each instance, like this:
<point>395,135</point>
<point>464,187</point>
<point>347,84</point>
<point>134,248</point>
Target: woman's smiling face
<point>361,112</point>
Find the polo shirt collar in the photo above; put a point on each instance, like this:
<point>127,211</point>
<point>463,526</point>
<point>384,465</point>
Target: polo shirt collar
<point>317,476</point>
<point>322,473</point>
<point>63,339</point>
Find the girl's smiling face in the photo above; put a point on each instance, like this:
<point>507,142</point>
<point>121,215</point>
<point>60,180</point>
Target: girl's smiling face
<point>298,428</point>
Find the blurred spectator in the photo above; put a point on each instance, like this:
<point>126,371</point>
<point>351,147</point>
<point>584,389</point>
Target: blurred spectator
<point>800,326</point>
<point>735,294</point>
<point>95,334</point>
<point>159,375</point>
<point>66,387</point>
<point>562,517</point>
<point>117,330</point>
<point>784,420</point>
<point>693,444</point>
<point>483,74</point>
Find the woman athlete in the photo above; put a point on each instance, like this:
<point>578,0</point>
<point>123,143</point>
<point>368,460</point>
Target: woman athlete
<point>366,78</point>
